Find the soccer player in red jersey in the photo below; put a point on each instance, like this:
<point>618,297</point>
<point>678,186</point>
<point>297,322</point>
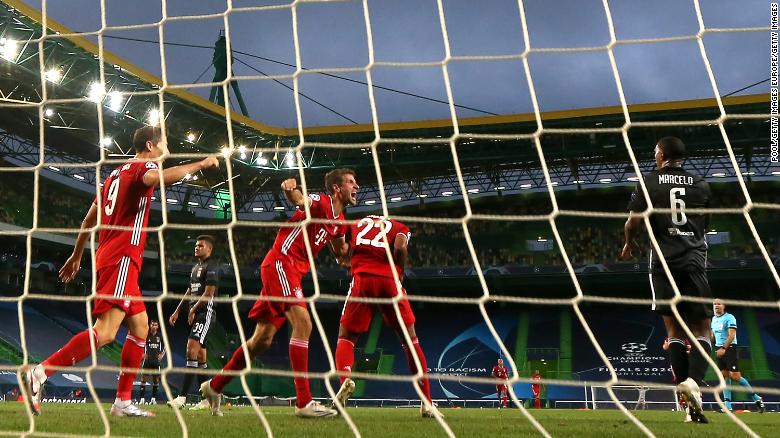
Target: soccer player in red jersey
<point>281,273</point>
<point>372,277</point>
<point>536,389</point>
<point>124,201</point>
<point>500,372</point>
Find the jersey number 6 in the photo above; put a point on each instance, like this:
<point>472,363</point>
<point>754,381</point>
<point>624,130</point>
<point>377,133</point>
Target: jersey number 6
<point>678,205</point>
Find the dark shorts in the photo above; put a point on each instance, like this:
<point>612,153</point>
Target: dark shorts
<point>729,361</point>
<point>201,326</point>
<point>691,284</point>
<point>151,365</point>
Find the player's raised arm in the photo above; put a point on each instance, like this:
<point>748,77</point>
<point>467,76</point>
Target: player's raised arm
<point>293,194</point>
<point>173,174</point>
<point>71,266</point>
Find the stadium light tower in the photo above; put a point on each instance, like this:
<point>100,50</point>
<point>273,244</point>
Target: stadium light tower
<point>219,61</point>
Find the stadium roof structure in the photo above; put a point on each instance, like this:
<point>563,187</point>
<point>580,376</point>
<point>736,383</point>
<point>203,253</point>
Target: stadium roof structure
<point>495,154</point>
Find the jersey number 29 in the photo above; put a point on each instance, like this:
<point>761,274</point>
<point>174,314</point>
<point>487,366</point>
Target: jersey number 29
<point>367,224</point>
<point>678,205</point>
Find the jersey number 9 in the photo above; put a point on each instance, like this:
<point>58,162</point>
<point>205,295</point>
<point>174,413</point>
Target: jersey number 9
<point>113,192</point>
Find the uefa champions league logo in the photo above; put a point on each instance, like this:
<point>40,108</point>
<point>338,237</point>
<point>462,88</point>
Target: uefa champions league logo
<point>633,348</point>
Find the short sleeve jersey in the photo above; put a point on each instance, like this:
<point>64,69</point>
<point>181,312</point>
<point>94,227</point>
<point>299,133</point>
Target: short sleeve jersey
<point>720,328</point>
<point>289,241</point>
<point>500,372</point>
<point>205,273</point>
<point>367,240</point>
<point>124,201</point>
<point>680,234</point>
<point>154,345</point>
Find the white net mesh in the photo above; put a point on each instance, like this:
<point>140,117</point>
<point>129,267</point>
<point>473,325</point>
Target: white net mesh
<point>614,389</point>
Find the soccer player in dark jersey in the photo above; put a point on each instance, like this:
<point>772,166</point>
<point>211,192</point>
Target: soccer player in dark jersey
<point>724,332</point>
<point>500,372</point>
<point>680,235</point>
<point>124,201</point>
<point>281,273</point>
<point>372,277</point>
<point>204,281</point>
<point>151,363</point>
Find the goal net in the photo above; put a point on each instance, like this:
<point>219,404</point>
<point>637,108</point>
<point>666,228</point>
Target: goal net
<point>74,87</point>
<point>635,397</point>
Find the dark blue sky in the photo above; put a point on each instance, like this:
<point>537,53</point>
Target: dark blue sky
<point>334,35</point>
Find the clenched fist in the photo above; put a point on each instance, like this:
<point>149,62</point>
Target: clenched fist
<point>289,185</point>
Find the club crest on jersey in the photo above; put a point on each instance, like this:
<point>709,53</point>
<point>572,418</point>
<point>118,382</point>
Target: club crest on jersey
<point>298,292</point>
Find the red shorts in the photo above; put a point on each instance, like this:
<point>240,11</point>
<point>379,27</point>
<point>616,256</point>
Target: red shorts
<point>356,317</point>
<point>279,279</point>
<point>502,388</point>
<point>116,283</point>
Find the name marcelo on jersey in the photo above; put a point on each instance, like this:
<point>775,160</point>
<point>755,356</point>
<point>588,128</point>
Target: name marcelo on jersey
<point>675,179</point>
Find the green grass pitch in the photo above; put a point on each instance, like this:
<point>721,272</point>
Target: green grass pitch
<point>378,422</point>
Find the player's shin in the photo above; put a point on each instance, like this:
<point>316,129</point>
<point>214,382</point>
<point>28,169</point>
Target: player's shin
<point>76,350</point>
<point>132,353</point>
<point>697,362</point>
<point>345,358</point>
<point>188,378</point>
<point>678,356</point>
<point>425,385</point>
<point>299,361</point>
<point>236,363</point>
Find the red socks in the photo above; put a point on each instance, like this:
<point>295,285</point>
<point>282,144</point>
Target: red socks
<point>72,353</point>
<point>424,383</point>
<point>236,363</point>
<point>345,357</point>
<point>132,354</point>
<point>299,360</point>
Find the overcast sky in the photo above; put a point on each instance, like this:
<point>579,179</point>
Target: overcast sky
<point>334,35</point>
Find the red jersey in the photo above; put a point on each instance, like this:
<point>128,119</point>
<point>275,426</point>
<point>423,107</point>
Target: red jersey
<point>367,240</point>
<point>124,201</point>
<point>289,241</point>
<point>500,372</point>
<point>536,378</point>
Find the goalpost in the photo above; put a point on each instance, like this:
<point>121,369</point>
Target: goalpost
<point>634,397</point>
<point>611,395</point>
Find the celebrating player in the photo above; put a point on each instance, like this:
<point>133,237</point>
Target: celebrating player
<point>151,362</point>
<point>204,281</point>
<point>372,277</point>
<point>680,236</point>
<point>724,332</point>
<point>500,372</point>
<point>124,201</point>
<point>281,273</point>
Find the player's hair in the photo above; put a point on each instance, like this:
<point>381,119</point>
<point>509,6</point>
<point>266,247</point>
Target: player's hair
<point>672,147</point>
<point>153,321</point>
<point>207,238</point>
<point>147,133</point>
<point>335,177</point>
